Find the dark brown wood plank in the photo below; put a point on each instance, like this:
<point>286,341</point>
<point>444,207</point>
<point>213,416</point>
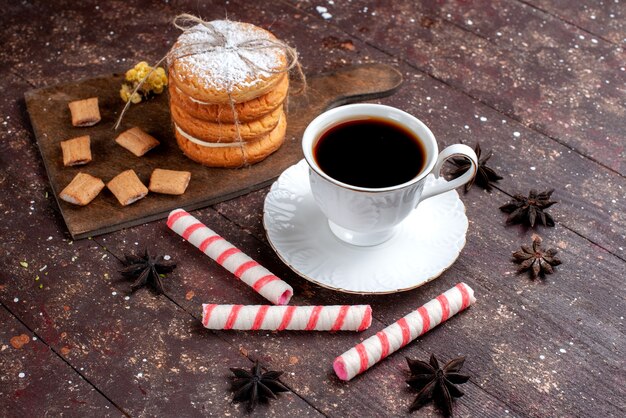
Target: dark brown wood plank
<point>333,398</point>
<point>513,325</point>
<point>246,211</point>
<point>503,352</point>
<point>563,313</point>
<point>604,18</point>
<point>50,119</point>
<point>69,294</point>
<point>583,68</point>
<point>35,382</point>
<point>102,336</point>
<point>535,398</point>
<point>140,351</point>
<point>549,85</point>
<point>305,356</point>
<point>92,349</point>
<point>590,197</point>
<point>58,42</point>
<point>527,159</point>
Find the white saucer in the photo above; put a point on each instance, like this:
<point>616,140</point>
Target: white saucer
<point>426,243</point>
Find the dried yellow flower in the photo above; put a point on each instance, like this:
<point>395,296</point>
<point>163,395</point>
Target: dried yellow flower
<point>151,81</point>
<point>125,94</point>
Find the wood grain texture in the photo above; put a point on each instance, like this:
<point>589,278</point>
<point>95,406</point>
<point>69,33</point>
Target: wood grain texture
<point>201,280</point>
<point>50,117</point>
<point>141,351</point>
<point>537,71</point>
<point>535,349</point>
<point>522,325</point>
<point>527,158</point>
<point>602,18</point>
<point>35,382</point>
<point>70,294</point>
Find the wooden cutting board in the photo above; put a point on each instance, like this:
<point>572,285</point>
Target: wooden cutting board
<point>50,119</point>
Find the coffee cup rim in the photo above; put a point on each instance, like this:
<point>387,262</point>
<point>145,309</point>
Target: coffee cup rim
<point>345,113</point>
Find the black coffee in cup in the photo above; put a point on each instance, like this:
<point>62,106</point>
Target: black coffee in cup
<point>371,153</point>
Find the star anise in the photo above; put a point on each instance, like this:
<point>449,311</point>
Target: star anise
<point>484,175</point>
<point>528,209</point>
<point>254,386</point>
<point>435,383</point>
<point>147,270</point>
<point>536,260</point>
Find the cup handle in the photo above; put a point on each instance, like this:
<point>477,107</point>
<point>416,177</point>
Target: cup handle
<point>452,151</point>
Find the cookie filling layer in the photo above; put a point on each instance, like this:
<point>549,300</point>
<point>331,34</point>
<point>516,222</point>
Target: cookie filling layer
<point>208,144</point>
<point>215,144</point>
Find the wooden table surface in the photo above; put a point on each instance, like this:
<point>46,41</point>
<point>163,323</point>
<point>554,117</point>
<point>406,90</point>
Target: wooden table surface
<point>540,82</point>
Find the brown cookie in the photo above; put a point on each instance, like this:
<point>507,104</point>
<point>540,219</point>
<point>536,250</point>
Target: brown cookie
<point>76,151</point>
<point>85,112</point>
<point>127,187</point>
<point>225,132</point>
<point>246,111</point>
<point>82,189</point>
<point>136,141</point>
<point>169,181</point>
<point>241,63</point>
<point>236,155</point>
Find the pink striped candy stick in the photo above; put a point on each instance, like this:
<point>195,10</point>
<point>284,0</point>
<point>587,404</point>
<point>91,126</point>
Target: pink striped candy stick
<point>231,258</point>
<point>364,355</point>
<point>278,318</point>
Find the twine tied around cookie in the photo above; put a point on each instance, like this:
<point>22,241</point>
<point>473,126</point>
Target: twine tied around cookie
<point>188,23</point>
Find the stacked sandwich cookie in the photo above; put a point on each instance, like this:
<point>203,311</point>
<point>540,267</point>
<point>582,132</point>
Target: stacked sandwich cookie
<point>227,83</point>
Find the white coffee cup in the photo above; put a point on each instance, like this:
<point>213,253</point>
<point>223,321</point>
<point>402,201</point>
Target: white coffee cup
<point>369,216</point>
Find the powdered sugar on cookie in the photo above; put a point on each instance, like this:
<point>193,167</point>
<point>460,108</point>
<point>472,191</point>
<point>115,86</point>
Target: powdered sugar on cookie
<point>236,56</point>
